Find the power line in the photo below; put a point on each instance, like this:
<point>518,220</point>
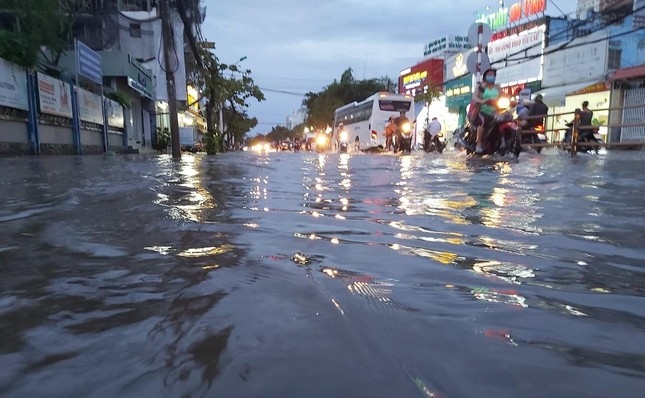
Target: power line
<point>283,92</point>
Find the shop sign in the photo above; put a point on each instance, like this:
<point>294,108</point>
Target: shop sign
<point>459,92</point>
<point>427,73</point>
<point>523,45</point>
<point>525,9</point>
<point>13,85</point>
<point>139,78</point>
<point>89,107</point>
<point>594,88</point>
<point>516,89</point>
<point>54,96</point>
<point>523,51</point>
<point>578,63</point>
<point>515,30</point>
<point>497,20</point>
<point>518,11</point>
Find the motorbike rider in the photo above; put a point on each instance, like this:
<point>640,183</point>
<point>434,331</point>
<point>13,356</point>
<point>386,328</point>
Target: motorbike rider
<point>538,112</point>
<point>586,118</point>
<point>434,127</point>
<point>390,130</point>
<point>486,94</point>
<point>399,122</point>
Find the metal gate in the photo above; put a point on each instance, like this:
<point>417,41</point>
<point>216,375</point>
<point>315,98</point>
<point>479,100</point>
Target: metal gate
<point>633,115</point>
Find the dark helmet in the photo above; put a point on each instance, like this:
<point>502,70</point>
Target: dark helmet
<point>538,97</point>
<point>489,70</point>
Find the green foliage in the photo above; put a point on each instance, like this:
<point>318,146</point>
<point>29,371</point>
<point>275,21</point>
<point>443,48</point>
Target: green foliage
<point>162,140</point>
<point>228,85</point>
<point>36,24</point>
<point>119,97</point>
<point>213,143</point>
<point>320,106</point>
<point>429,96</point>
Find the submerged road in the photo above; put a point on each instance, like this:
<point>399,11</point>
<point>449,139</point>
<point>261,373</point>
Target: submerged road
<point>323,275</point>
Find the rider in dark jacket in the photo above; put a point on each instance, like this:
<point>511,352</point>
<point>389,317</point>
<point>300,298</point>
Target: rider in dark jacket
<point>538,112</point>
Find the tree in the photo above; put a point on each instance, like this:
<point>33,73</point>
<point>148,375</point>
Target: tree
<point>427,97</point>
<point>232,92</point>
<point>38,24</point>
<point>320,106</point>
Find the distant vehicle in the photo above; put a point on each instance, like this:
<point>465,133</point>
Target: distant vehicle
<point>187,139</point>
<point>367,119</point>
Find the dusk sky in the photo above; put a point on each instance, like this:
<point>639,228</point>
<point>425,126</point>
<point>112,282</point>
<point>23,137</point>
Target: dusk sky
<point>298,46</point>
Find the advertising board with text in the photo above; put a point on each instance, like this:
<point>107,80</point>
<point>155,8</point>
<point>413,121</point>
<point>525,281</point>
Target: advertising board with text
<point>518,58</point>
<point>577,63</point>
<point>54,96</point>
<point>89,107</point>
<point>13,85</point>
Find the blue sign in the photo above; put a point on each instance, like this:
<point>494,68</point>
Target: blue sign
<point>88,63</point>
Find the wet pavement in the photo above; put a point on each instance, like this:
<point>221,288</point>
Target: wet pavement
<point>307,275</point>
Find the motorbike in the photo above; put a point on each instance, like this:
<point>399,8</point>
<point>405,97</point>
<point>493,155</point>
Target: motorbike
<point>343,141</point>
<point>322,142</point>
<point>431,144</point>
<point>535,136</point>
<point>403,139</point>
<point>501,137</point>
<point>591,136</point>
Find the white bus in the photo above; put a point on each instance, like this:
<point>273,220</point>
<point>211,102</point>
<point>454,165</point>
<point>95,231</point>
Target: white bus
<point>366,119</point>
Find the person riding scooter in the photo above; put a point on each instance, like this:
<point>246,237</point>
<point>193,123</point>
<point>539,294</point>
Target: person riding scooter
<point>486,94</point>
<point>403,133</point>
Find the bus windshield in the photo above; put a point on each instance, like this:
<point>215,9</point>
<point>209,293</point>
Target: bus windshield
<point>394,106</point>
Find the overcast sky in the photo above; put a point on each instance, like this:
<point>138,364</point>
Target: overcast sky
<point>299,46</point>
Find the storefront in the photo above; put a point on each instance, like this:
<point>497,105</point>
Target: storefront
<point>458,97</point>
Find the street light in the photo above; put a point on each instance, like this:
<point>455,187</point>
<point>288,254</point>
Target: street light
<point>221,105</point>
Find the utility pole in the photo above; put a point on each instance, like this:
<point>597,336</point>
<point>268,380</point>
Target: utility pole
<point>169,53</point>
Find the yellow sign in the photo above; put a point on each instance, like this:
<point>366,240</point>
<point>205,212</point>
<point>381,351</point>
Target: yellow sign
<point>192,99</point>
<point>415,77</point>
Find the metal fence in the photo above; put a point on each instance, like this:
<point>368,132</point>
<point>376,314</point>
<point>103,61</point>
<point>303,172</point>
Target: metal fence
<point>632,127</point>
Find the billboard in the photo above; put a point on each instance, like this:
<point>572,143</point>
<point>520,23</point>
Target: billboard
<point>13,85</point>
<point>576,63</point>
<point>518,58</point>
<point>424,74</point>
<point>54,96</point>
<point>90,108</point>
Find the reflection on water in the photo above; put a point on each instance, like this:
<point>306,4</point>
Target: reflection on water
<point>248,275</point>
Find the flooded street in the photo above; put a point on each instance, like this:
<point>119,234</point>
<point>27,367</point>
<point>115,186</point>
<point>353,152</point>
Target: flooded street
<point>322,275</point>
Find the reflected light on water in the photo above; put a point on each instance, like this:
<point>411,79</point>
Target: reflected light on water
<point>205,251</point>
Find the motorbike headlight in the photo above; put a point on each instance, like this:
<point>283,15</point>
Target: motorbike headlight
<point>406,127</point>
<point>503,103</point>
<point>321,140</point>
<point>344,136</point>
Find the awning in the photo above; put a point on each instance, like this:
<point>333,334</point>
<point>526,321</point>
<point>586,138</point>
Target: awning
<point>628,73</point>
<point>554,96</point>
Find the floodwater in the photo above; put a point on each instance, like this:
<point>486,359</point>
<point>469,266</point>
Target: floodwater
<point>323,275</point>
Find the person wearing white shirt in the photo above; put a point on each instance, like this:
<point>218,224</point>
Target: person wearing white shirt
<point>434,127</point>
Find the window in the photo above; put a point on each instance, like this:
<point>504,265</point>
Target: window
<point>134,5</point>
<point>135,30</point>
<point>394,106</point>
<point>613,58</point>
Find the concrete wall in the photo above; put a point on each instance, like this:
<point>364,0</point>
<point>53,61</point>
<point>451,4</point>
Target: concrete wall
<point>115,142</point>
<point>91,141</point>
<point>13,137</point>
